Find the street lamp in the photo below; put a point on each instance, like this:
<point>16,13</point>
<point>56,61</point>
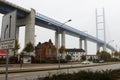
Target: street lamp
<point>58,49</point>
<point>66,22</point>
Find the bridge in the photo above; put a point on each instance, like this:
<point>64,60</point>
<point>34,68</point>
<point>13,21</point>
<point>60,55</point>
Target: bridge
<point>30,18</point>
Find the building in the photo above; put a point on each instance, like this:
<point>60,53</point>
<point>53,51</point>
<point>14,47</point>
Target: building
<point>75,53</point>
<point>46,50</point>
<point>92,57</point>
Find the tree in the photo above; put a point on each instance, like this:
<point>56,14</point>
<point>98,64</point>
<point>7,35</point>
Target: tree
<point>112,54</point>
<point>119,54</point>
<point>105,55</point>
<point>29,47</point>
<point>98,52</point>
<point>62,49</point>
<point>83,57</point>
<point>116,54</point>
<point>68,57</point>
<point>17,46</point>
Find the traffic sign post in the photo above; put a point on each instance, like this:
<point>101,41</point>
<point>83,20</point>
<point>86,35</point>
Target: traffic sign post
<point>8,35</point>
<point>7,60</point>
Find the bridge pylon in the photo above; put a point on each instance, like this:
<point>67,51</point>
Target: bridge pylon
<point>29,23</point>
<point>100,26</point>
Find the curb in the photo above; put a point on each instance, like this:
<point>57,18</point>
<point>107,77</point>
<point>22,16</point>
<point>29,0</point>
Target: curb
<point>46,69</point>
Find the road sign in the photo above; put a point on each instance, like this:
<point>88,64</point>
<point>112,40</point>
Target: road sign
<point>3,52</point>
<point>7,44</point>
<point>8,31</point>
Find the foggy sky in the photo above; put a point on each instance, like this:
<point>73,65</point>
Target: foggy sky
<point>82,13</point>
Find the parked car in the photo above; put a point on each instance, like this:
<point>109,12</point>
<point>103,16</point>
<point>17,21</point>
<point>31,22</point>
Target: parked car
<point>85,62</point>
<point>101,61</point>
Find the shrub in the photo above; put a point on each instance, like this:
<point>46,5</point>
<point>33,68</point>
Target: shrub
<point>104,56</point>
<point>114,59</point>
<point>46,60</point>
<point>2,60</point>
<point>68,57</point>
<point>13,60</point>
<point>81,75</point>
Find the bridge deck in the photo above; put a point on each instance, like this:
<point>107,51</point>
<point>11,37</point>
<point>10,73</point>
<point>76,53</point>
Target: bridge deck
<point>41,20</point>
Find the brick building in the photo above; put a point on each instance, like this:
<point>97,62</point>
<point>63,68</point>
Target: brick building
<point>46,50</point>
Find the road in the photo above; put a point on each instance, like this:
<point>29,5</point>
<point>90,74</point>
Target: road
<point>32,75</point>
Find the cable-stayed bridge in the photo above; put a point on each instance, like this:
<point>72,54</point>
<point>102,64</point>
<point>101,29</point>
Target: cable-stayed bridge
<point>30,18</point>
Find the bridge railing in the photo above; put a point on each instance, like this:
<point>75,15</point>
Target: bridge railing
<point>68,28</point>
<point>58,24</point>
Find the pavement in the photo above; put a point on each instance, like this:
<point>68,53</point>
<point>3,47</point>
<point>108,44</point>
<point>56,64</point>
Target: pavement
<point>33,71</point>
<point>17,68</point>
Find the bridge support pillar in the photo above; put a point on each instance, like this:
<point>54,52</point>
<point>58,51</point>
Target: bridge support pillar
<point>80,43</point>
<point>17,33</point>
<point>30,27</point>
<point>57,42</point>
<point>63,38</point>
<point>63,55</point>
<point>85,45</point>
<point>98,47</point>
<point>29,23</point>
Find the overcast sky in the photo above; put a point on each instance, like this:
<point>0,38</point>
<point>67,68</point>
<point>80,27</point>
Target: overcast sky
<point>82,13</point>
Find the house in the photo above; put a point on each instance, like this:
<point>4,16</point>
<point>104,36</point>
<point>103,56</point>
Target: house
<point>92,57</point>
<point>75,53</point>
<point>46,50</point>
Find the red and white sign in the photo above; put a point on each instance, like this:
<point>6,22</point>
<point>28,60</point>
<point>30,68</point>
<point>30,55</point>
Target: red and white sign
<point>3,52</point>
